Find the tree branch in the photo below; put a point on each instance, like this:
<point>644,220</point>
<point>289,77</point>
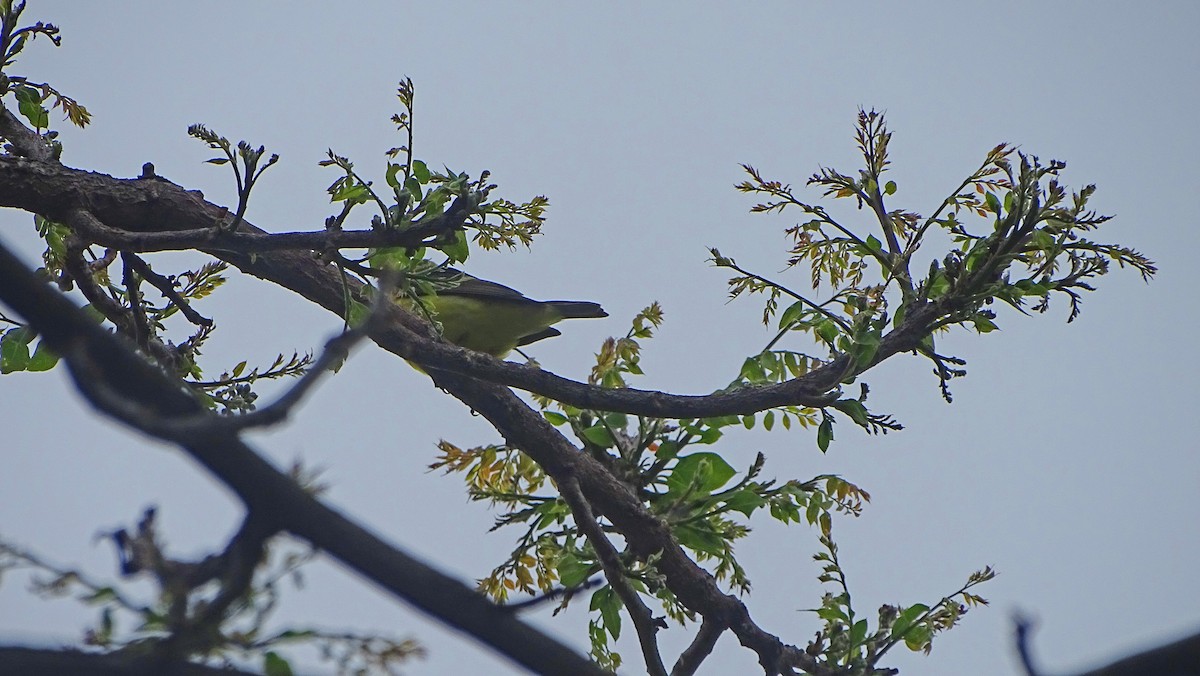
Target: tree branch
<point>700,648</point>
<point>93,353</point>
<point>643,620</point>
<point>22,660</point>
<point>1181,658</point>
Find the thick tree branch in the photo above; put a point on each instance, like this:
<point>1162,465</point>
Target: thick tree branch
<point>22,660</point>
<point>1181,658</point>
<point>93,353</point>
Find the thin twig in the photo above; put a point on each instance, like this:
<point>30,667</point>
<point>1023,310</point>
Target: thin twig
<point>167,288</point>
<point>551,595</point>
<point>643,620</point>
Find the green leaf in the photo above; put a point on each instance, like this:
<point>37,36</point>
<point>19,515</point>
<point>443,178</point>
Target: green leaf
<point>14,349</point>
<point>873,244</point>
<point>813,511</point>
<point>420,171</point>
<point>598,435</point>
<point>993,203</point>
<point>907,618</point>
<point>355,193</point>
<point>865,347</point>
<point>699,539</point>
<point>858,633</point>
<point>667,450</point>
<point>753,371</point>
<point>791,314</point>
<point>745,501</point>
<point>708,471</point>
<point>358,313</point>
<point>390,175</point>
<point>458,251</point>
<point>274,665</point>
<point>555,419</point>
<point>29,103</point>
<point>413,186</point>
<point>825,434</point>
<point>1041,239</point>
<point>889,188</point>
<point>983,324</point>
<point>854,409</point>
<point>572,572</point>
<point>99,596</point>
<point>827,330</point>
<point>606,601</point>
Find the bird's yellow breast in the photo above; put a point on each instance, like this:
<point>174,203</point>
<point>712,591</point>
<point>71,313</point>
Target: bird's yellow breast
<point>494,326</point>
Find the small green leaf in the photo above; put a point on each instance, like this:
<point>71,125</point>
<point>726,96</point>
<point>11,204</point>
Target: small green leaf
<point>358,313</point>
<point>667,450</point>
<point>813,512</point>
<point>873,244</point>
<point>699,539</point>
<point>274,665</point>
<point>393,170</point>
<point>598,435</point>
<point>99,596</point>
<point>606,601</point>
<point>825,434</point>
<point>791,314</point>
<point>890,188</point>
<point>555,419</point>
<point>572,572</point>
<point>43,358</point>
<point>907,618</point>
<point>918,637</point>
<point>745,501</point>
<point>14,349</point>
<point>458,250</point>
<point>1041,240</point>
<point>420,171</point>
<point>413,186</point>
<point>983,324</point>
<point>858,633</point>
<point>865,347</point>
<point>827,330</point>
<point>708,470</point>
<point>854,409</point>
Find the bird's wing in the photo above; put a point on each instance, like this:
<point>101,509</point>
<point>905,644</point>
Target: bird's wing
<point>474,286</point>
<point>548,332</point>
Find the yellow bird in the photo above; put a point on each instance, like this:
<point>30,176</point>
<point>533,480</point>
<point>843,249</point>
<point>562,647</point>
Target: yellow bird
<point>489,317</point>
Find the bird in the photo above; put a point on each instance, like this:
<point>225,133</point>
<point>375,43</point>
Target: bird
<point>495,319</point>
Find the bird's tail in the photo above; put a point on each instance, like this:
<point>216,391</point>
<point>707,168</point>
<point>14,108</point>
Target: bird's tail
<point>577,309</point>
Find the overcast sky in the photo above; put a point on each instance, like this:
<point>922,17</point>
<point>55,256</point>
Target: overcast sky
<point>1066,460</point>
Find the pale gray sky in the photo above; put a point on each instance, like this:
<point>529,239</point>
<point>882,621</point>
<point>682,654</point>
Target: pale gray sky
<point>1066,460</point>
